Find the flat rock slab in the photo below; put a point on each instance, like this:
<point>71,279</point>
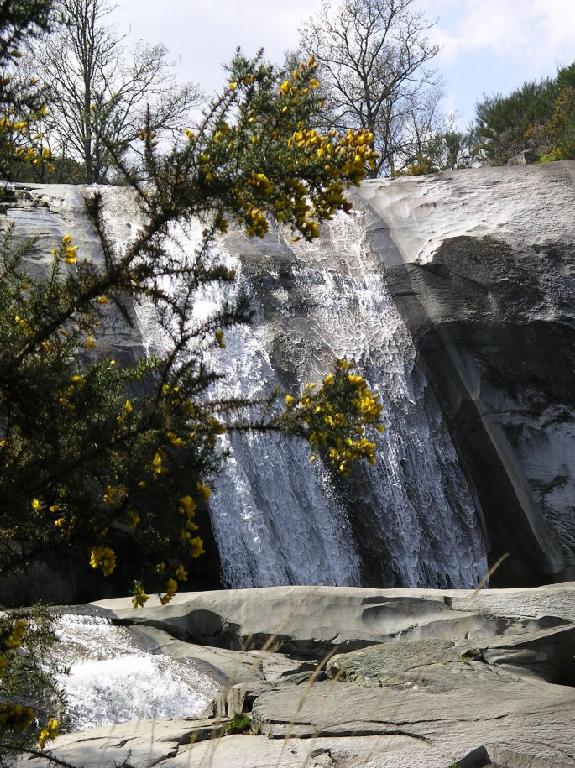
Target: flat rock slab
<point>142,744</point>
<point>260,752</point>
<point>437,726</point>
<point>545,654</point>
<point>227,667</point>
<point>315,620</point>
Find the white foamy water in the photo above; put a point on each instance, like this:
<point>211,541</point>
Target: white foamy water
<point>277,519</point>
<point>113,680</point>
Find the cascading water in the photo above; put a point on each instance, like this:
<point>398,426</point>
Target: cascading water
<point>275,516</point>
<point>277,519</point>
<point>114,679</point>
<point>315,302</point>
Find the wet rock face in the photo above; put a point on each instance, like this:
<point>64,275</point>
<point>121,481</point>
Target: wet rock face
<point>40,216</point>
<point>481,265</point>
<point>412,520</point>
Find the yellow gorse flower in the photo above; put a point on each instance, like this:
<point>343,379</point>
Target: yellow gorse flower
<point>203,492</point>
<point>140,598</point>
<point>196,547</point>
<point>171,589</point>
<point>177,442</point>
<point>114,495</point>
<point>49,733</point>
<point>187,506</point>
<point>70,254</point>
<point>181,573</point>
<point>103,558</point>
<point>337,416</point>
<point>157,468</point>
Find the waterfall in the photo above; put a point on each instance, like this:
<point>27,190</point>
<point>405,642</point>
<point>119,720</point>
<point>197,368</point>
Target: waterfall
<point>278,519</point>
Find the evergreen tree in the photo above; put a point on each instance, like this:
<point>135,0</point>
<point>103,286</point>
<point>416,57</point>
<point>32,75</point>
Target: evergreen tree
<point>538,118</point>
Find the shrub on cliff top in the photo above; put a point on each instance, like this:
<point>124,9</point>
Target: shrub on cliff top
<point>538,117</point>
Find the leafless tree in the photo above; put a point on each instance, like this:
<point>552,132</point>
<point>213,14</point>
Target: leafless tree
<point>374,58</point>
<point>424,127</point>
<point>100,92</point>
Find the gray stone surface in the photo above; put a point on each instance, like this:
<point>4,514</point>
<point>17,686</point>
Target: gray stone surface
<point>311,620</point>
<point>141,744</point>
<point>227,667</point>
<point>166,744</point>
<point>44,213</point>
<point>440,677</point>
<point>516,204</point>
<point>481,264</point>
<point>441,725</point>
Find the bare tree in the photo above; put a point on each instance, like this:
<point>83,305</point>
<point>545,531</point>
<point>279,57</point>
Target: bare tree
<point>99,92</point>
<point>373,58</point>
<point>424,129</point>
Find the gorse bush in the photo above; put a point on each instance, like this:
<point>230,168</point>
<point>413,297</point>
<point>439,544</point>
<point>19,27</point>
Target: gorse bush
<point>29,693</point>
<point>104,457</point>
<point>21,100</point>
<point>114,457</point>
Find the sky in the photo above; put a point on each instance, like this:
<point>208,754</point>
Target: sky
<point>487,46</point>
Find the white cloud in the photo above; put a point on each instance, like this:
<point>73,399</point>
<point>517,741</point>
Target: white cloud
<point>512,40</point>
<point>541,33</point>
<point>204,34</point>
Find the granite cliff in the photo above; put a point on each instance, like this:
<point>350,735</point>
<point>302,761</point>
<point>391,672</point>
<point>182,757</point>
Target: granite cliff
<point>481,265</point>
<point>456,294</point>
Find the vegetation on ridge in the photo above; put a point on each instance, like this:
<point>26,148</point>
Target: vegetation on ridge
<point>538,118</point>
